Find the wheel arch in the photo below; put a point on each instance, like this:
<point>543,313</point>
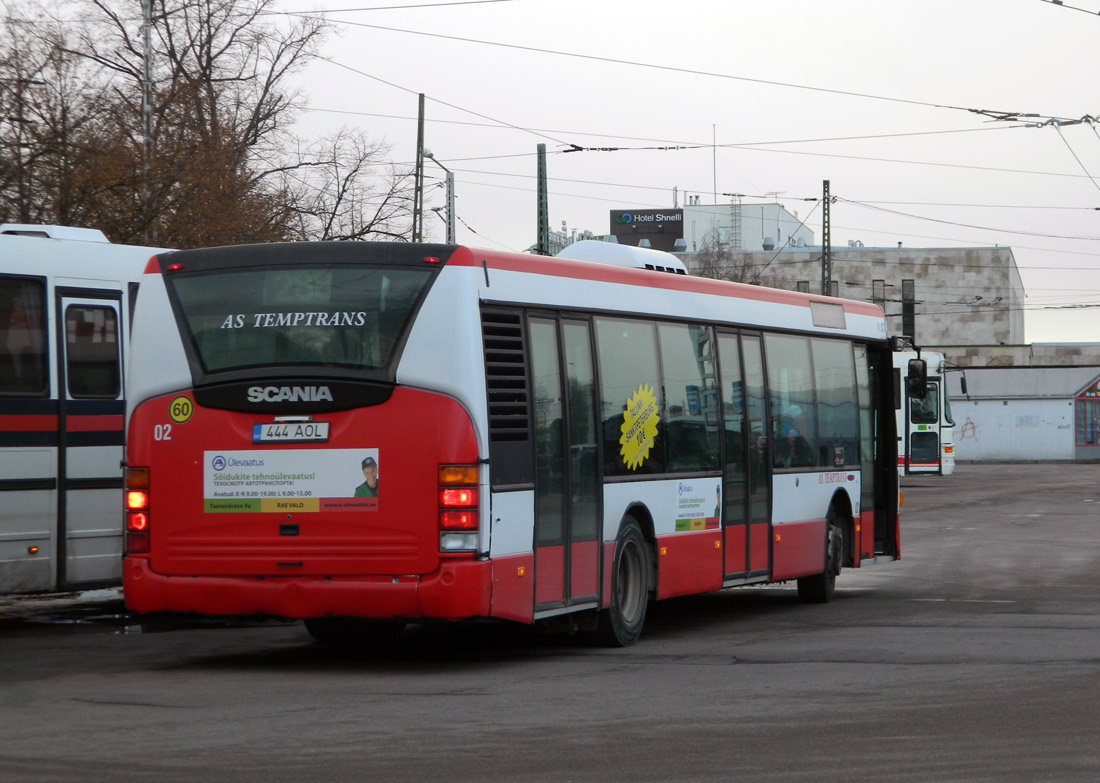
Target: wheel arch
<point>841,505</point>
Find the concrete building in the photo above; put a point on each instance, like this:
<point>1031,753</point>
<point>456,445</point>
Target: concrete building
<point>1028,355</point>
<point>937,296</point>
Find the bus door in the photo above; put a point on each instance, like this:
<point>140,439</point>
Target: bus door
<point>28,437</point>
<point>567,468</point>
<point>923,429</point>
<point>747,468</point>
<point>91,409</point>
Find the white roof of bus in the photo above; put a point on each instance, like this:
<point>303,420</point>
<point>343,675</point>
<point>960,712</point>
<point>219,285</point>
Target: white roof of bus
<point>622,255</point>
<point>53,232</point>
<point>73,256</point>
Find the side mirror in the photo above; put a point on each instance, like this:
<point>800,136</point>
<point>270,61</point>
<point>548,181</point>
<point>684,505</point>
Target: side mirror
<point>962,385</point>
<point>916,379</point>
<point>900,342</point>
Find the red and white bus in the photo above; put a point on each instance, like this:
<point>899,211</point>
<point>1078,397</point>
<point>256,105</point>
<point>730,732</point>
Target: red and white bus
<point>926,431</point>
<point>66,295</point>
<point>364,435</point>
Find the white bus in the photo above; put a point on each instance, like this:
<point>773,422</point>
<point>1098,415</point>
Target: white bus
<point>65,300</point>
<point>364,435</point>
<point>926,431</point>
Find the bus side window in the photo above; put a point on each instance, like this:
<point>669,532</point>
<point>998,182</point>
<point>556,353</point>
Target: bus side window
<point>837,412</point>
<point>691,400</point>
<point>22,336</point>
<point>92,360</point>
<point>793,401</point>
<point>628,371</point>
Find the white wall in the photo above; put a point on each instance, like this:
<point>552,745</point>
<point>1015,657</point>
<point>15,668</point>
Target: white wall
<point>1035,429</point>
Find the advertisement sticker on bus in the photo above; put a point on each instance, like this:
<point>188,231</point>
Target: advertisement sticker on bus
<point>694,507</point>
<point>290,480</point>
<point>639,427</point>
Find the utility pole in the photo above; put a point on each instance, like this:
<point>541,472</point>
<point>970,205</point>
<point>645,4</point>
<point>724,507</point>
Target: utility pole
<point>450,184</point>
<point>418,175</point>
<point>450,207</point>
<point>826,246</point>
<point>147,119</point>
<point>542,246</point>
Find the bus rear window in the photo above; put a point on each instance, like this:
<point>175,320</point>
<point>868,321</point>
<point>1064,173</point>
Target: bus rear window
<point>351,317</point>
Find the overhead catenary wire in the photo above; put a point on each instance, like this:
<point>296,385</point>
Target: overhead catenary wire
<point>969,225</point>
<point>726,145</point>
<point>658,66</point>
<point>1076,157</point>
<point>661,145</point>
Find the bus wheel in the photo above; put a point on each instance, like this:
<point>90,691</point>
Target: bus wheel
<point>352,631</point>
<point>819,588</point>
<point>621,623</point>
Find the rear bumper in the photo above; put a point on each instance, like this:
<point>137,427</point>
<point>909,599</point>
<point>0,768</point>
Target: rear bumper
<point>458,590</point>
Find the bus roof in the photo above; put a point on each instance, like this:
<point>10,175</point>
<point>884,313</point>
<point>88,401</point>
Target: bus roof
<point>53,232</point>
<point>623,255</point>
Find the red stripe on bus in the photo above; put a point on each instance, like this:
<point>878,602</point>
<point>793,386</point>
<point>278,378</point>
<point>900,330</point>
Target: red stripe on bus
<point>514,587</point>
<point>798,549</point>
<point>607,273</point>
<point>30,423</point>
<point>689,563</point>
<point>153,267</point>
<point>94,423</point>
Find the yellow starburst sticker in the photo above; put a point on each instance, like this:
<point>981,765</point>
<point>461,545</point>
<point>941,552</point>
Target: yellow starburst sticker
<point>639,428</point>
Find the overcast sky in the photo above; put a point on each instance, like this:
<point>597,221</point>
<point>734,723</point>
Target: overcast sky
<point>769,98</point>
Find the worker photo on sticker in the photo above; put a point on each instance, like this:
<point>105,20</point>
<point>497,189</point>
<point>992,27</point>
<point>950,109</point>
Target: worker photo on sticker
<point>369,487</point>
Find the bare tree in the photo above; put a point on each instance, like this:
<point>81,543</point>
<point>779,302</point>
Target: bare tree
<point>49,106</point>
<point>342,188</point>
<point>221,165</point>
<point>219,68</point>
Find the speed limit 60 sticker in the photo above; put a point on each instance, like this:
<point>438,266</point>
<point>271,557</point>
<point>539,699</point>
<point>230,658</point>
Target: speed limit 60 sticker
<point>180,409</point>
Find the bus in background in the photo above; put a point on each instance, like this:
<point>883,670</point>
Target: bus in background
<point>66,296</point>
<point>363,435</point>
<point>926,431</point>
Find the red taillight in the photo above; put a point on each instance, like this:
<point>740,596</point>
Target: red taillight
<point>459,497</point>
<point>458,520</point>
<point>458,508</point>
<point>136,501</point>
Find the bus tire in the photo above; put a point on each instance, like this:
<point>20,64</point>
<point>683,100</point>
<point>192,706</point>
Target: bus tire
<point>819,588</point>
<point>621,623</point>
<point>352,631</point>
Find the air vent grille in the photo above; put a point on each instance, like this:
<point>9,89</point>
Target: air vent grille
<point>506,375</point>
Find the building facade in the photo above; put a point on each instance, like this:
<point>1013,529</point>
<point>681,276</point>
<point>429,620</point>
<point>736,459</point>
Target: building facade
<point>937,296</point>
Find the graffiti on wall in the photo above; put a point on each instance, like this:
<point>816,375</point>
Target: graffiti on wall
<point>968,430</point>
